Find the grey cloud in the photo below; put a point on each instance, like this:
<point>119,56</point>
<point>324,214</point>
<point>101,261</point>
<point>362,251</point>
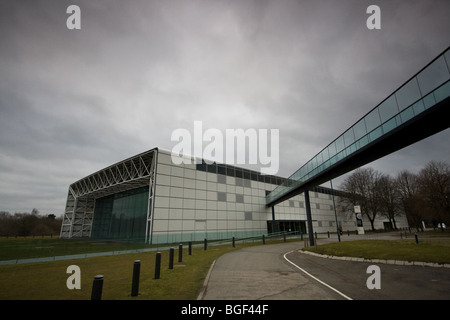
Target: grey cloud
<point>73,102</point>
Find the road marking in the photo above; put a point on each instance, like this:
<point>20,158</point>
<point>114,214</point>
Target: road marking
<point>318,280</point>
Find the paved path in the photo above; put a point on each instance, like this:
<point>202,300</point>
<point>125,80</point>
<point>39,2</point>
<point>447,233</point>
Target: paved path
<point>261,273</point>
<point>281,272</point>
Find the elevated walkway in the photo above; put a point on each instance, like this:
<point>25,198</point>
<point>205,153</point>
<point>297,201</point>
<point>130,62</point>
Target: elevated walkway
<point>416,110</point>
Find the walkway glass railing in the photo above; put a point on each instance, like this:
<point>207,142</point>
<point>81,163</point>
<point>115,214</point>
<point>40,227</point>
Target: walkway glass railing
<point>425,89</point>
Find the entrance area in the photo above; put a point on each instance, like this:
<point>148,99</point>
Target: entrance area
<point>286,226</point>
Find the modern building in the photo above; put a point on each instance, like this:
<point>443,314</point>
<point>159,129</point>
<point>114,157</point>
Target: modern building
<point>147,198</point>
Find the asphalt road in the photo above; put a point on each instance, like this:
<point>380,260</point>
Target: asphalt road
<point>263,272</point>
<point>397,282</point>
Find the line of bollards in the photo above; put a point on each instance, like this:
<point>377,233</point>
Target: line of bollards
<point>97,287</point>
<point>135,282</point>
<point>97,284</point>
<point>158,265</point>
<point>171,254</point>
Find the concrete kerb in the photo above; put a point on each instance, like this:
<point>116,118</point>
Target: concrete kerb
<point>205,283</point>
<point>375,261</point>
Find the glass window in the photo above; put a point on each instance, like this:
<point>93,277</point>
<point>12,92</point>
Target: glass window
<point>221,169</point>
<point>433,76</point>
<point>375,134</point>
<point>389,125</point>
<point>359,129</point>
<point>351,148</point>
<point>211,168</point>
<point>319,158</point>
<point>418,107</point>
<point>260,177</point>
<point>407,114</point>
<point>238,172</point>
<point>332,149</point>
<point>408,94</point>
<point>201,166</point>
<point>121,216</point>
<point>429,101</point>
<point>230,171</point>
<point>362,142</point>
<point>442,92</point>
<point>372,120</point>
<point>325,154</point>
<point>349,137</point>
<point>388,108</point>
<point>339,143</point>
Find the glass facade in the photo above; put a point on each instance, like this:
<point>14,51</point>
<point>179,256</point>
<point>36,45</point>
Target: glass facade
<point>427,88</point>
<point>121,216</point>
<point>232,171</point>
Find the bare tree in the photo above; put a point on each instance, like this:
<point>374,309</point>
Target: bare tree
<point>389,199</point>
<point>26,224</point>
<point>434,182</point>
<point>363,188</point>
<point>408,191</point>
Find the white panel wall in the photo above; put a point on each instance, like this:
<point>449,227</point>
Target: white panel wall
<point>191,204</point>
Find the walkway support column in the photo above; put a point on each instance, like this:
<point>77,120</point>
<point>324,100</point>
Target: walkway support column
<point>309,219</point>
<point>273,220</point>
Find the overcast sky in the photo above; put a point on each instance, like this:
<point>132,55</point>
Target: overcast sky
<point>75,101</point>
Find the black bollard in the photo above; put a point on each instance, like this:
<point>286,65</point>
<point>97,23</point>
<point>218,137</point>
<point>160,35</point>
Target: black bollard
<point>328,234</point>
<point>205,244</point>
<point>417,238</point>
<point>135,283</point>
<point>171,253</point>
<point>190,248</point>
<point>263,239</point>
<point>284,237</point>
<point>233,242</point>
<point>97,288</point>
<point>180,252</point>
<point>158,265</point>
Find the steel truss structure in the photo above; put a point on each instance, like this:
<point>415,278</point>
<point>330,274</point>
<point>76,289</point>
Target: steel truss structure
<point>132,173</point>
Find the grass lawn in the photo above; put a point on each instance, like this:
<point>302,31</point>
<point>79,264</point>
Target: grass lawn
<point>47,280</point>
<point>29,247</point>
<point>427,250</point>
